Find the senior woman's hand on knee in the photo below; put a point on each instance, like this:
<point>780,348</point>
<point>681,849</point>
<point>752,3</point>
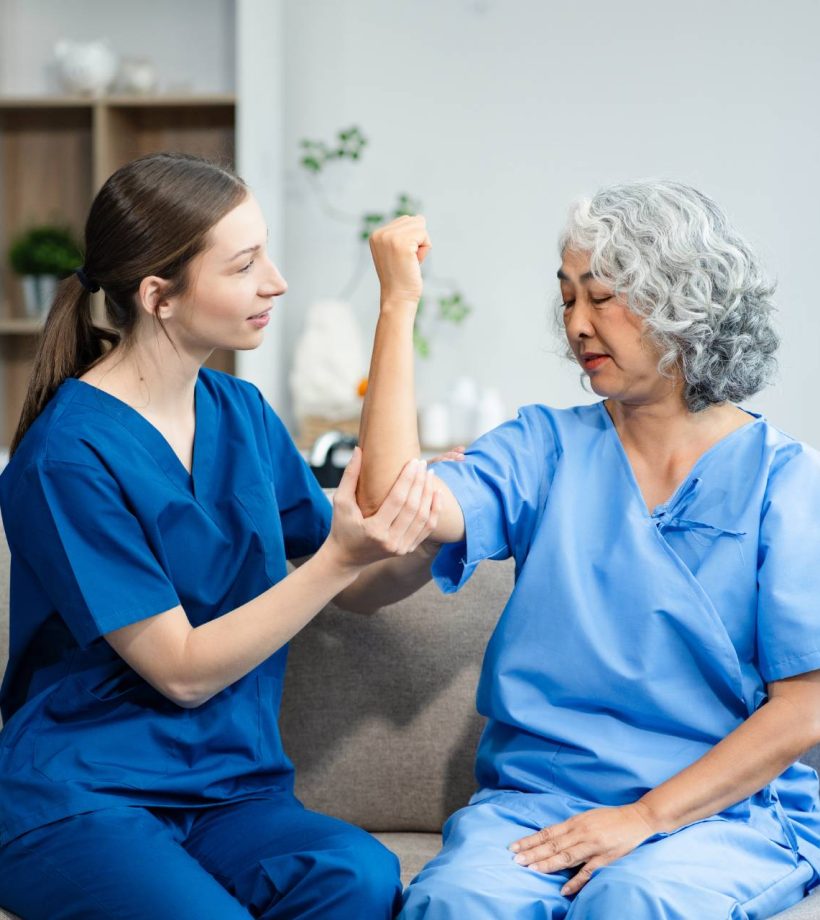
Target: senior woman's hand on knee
<point>590,840</point>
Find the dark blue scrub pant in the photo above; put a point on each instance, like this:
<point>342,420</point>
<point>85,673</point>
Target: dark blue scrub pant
<point>266,858</point>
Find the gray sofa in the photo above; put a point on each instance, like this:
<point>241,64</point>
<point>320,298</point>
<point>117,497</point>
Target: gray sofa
<point>379,716</point>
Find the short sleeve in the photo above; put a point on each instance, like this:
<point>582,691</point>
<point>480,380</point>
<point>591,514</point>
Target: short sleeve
<point>73,528</point>
<point>305,511</point>
<point>501,486</point>
<point>788,613</point>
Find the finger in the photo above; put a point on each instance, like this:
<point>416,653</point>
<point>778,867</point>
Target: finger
<point>397,496</point>
<point>432,523</point>
<point>347,485</point>
<point>424,249</point>
<point>416,530</point>
<point>545,837</point>
<point>412,504</point>
<point>546,862</point>
<point>581,877</point>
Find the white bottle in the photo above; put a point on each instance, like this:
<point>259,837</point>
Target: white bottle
<point>434,427</point>
<point>463,405</point>
<point>490,412</point>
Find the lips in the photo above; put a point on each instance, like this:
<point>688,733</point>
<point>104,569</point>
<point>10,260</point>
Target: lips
<point>591,360</point>
<point>260,315</point>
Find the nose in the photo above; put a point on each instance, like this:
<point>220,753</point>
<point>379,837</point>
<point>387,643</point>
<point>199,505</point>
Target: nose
<point>274,284</point>
<point>578,322</point>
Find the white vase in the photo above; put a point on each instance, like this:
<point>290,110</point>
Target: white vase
<point>86,68</point>
<point>137,75</point>
<point>38,294</point>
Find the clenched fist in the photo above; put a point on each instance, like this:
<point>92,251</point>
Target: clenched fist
<point>398,249</point>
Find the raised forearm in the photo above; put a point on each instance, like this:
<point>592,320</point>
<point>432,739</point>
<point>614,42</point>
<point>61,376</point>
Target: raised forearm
<point>388,433</point>
<point>741,764</point>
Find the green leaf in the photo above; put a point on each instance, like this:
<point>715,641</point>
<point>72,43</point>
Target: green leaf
<point>421,344</point>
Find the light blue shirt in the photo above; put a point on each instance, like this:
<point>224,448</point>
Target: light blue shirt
<point>635,640</point>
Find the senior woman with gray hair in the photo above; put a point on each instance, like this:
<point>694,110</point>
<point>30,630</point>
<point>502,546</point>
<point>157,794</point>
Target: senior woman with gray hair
<point>654,675</point>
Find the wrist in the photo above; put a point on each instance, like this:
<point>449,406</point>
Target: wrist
<point>656,820</point>
<point>336,565</point>
<point>399,306</point>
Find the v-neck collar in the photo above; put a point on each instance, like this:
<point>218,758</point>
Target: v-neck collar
<point>685,487</point>
<point>152,438</point>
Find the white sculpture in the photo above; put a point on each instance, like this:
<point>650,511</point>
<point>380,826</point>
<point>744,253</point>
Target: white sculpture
<point>86,68</point>
<point>328,363</point>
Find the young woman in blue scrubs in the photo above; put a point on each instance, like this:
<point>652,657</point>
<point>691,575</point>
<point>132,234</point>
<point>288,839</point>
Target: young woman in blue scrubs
<point>150,506</point>
<point>656,672</point>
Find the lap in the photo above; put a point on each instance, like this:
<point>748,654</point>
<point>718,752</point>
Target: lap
<point>267,858</point>
<point>121,862</point>
<point>278,841</point>
<point>720,868</point>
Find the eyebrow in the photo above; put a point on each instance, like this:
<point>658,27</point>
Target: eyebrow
<point>248,249</point>
<point>243,252</point>
<point>562,276</point>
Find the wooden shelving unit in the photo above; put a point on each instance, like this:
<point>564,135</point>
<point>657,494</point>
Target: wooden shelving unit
<point>55,153</point>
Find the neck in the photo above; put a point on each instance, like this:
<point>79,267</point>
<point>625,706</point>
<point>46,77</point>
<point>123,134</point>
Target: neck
<point>152,376</point>
<point>664,426</point>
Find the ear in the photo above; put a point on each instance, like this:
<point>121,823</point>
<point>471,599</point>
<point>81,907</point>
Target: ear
<point>152,298</point>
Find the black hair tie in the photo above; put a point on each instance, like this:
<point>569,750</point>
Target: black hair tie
<point>89,284</point>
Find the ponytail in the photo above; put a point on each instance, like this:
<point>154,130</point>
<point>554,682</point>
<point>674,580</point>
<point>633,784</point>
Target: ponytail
<point>70,343</point>
<point>153,216</point>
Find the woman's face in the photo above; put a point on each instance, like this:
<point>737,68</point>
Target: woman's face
<point>607,338</point>
<point>233,283</point>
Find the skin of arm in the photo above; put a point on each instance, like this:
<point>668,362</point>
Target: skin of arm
<point>388,433</point>
<point>392,580</point>
<point>384,583</point>
<point>741,764</point>
<point>190,665</point>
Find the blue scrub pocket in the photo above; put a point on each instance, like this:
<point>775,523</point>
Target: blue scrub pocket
<point>129,730</point>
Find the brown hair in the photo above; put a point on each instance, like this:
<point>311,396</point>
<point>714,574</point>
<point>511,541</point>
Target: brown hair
<point>152,217</point>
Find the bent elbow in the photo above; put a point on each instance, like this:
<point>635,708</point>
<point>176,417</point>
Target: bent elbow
<point>184,695</point>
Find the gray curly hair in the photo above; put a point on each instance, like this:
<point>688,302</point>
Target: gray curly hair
<point>701,291</point>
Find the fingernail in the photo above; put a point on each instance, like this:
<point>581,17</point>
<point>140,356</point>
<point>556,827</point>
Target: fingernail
<point>521,860</point>
<point>565,891</point>
<point>515,847</point>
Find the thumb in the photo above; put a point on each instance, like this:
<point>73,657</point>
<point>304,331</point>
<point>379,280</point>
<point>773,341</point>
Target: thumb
<point>350,477</point>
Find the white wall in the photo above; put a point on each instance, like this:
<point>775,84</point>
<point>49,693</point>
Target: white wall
<point>191,42</point>
<point>497,114</point>
<point>259,87</point>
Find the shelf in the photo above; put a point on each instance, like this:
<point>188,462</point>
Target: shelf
<point>55,153</point>
<point>123,100</point>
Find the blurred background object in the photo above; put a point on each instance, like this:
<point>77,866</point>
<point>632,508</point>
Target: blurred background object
<point>85,68</point>
<point>496,114</point>
<point>42,256</point>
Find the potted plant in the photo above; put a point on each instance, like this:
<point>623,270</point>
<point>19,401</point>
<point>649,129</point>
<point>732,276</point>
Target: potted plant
<point>42,256</point>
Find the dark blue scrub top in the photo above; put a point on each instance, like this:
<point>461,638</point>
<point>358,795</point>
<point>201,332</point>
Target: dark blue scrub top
<point>106,527</point>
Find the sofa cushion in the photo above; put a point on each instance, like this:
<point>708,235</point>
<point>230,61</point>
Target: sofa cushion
<point>378,713</point>
<point>413,850</point>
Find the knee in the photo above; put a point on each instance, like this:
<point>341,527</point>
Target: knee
<point>367,874</point>
<point>450,893</point>
<point>614,892</point>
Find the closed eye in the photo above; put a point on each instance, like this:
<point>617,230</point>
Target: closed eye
<point>248,267</point>
<point>601,299</point>
<point>567,304</point>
